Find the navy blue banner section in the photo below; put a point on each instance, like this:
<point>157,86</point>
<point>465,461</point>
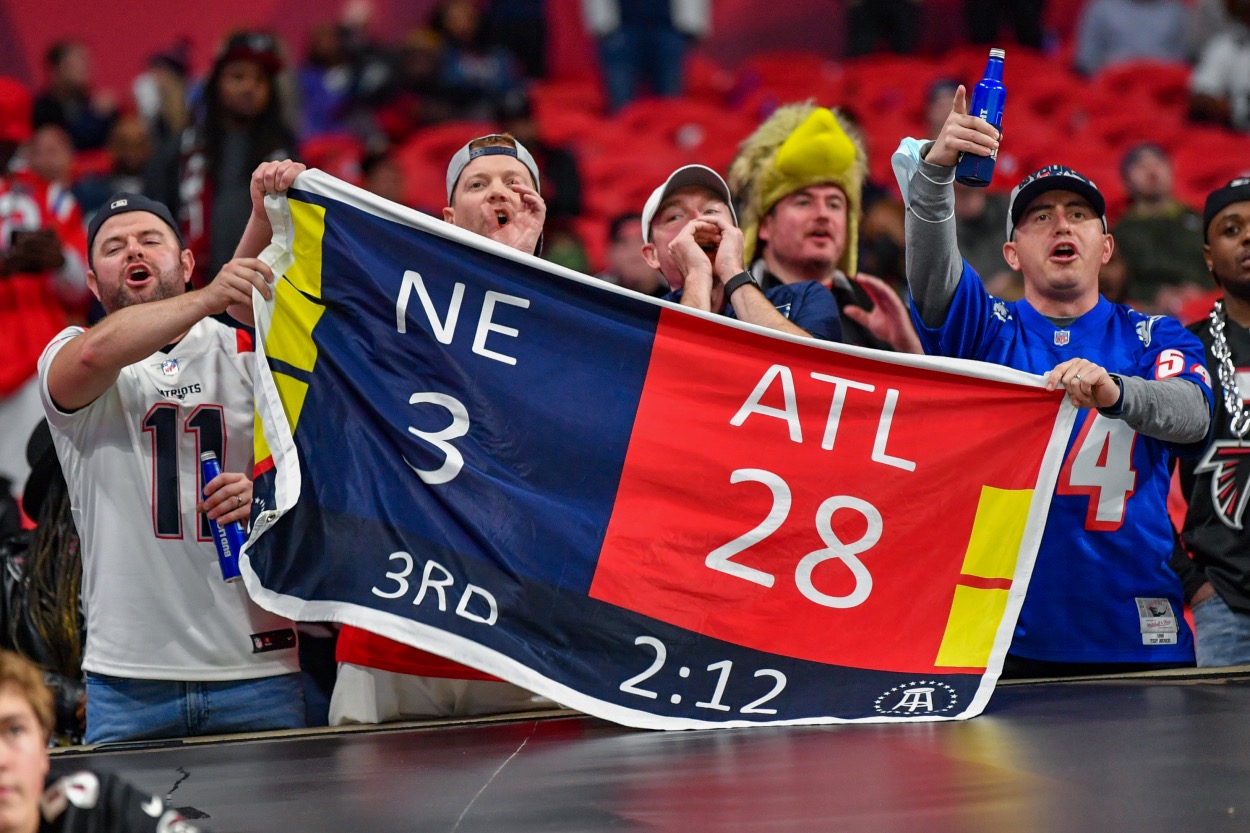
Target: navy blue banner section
<point>518,483</point>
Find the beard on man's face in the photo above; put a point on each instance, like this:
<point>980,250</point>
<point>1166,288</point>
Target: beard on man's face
<point>163,286</point>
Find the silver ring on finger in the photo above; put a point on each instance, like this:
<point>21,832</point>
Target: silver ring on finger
<point>238,501</point>
<point>1076,378</point>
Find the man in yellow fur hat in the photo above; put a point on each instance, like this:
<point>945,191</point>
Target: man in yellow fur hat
<point>799,179</point>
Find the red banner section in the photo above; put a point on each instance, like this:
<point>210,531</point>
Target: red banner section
<point>877,504</point>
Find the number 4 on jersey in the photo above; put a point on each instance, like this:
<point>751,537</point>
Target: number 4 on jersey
<point>1100,465</point>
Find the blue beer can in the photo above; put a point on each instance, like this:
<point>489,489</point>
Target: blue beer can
<point>229,537</point>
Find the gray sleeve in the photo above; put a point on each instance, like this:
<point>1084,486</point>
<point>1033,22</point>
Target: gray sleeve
<point>1172,410</point>
<point>933,261</point>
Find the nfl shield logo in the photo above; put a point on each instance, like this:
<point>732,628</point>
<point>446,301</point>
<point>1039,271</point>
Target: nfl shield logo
<point>169,367</point>
<point>1062,337</point>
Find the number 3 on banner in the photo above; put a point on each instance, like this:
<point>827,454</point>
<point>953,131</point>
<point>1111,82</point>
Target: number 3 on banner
<point>1100,465</point>
<point>453,460</point>
<point>721,558</point>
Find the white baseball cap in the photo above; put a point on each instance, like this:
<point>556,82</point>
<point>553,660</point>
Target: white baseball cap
<point>680,178</point>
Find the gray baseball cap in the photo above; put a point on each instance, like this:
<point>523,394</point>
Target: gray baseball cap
<point>464,156</point>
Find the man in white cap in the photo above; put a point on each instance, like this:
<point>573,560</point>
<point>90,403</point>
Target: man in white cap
<point>690,234</point>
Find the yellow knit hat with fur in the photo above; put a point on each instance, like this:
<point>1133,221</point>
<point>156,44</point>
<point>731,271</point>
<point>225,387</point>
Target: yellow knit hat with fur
<point>798,146</point>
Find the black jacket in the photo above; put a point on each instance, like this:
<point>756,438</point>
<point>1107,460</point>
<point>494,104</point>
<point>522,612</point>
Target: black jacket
<point>1217,486</point>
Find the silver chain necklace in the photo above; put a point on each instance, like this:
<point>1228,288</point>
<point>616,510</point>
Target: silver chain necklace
<point>1239,420</point>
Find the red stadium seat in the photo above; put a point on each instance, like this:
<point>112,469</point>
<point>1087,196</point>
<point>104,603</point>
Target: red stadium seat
<point>1166,83</point>
<point>337,154</point>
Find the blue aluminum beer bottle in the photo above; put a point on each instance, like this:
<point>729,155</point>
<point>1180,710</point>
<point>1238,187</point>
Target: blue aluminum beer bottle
<point>988,98</point>
<point>229,538</point>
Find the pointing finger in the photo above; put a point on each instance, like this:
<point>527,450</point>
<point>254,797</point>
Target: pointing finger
<point>960,104</point>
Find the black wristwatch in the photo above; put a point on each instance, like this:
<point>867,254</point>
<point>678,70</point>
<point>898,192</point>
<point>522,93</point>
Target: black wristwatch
<point>738,280</point>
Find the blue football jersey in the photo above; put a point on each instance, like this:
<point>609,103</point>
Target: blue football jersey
<point>807,304</point>
<point>1102,590</point>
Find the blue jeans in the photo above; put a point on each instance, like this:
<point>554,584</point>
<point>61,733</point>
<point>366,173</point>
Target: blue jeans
<point>1222,635</point>
<point>632,53</point>
<point>121,709</point>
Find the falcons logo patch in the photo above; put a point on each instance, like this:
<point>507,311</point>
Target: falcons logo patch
<point>1227,462</point>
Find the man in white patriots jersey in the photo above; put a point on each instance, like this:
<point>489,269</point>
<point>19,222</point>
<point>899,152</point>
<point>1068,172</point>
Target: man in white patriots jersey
<point>171,649</point>
<point>1217,578</point>
<point>1102,596</point>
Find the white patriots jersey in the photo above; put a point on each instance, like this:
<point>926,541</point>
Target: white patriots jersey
<point>156,604</point>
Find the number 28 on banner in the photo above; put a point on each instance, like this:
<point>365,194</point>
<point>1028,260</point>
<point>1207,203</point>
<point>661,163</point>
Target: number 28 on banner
<point>721,558</point>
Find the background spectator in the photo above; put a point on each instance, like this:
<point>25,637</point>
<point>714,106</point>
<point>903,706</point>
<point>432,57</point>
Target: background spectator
<point>384,176</point>
<point>1203,20</point>
<point>49,155</point>
<point>416,97</point>
<point>241,126</point>
<point>626,265</point>
<point>561,179</point>
<point>326,82</point>
<point>473,74</point>
<point>130,149</point>
<point>644,42</point>
<point>1220,84</point>
<point>1160,238</point>
<point>1113,31</point>
<point>68,99</point>
<point>521,27</point>
<point>42,279</point>
<point>871,23</point>
<point>985,17</point>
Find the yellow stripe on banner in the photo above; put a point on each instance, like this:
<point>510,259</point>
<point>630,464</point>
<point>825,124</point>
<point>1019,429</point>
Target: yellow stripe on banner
<point>295,314</point>
<point>993,549</point>
<point>310,227</point>
<point>997,533</point>
<point>290,333</point>
<point>260,446</point>
<point>970,631</point>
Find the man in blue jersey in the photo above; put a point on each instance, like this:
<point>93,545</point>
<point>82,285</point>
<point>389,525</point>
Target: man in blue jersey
<point>690,234</point>
<point>1102,597</point>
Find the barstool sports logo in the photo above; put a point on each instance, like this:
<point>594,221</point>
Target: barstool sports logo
<point>918,698</point>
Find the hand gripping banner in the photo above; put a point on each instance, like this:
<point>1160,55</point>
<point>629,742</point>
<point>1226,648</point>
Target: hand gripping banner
<point>660,517</point>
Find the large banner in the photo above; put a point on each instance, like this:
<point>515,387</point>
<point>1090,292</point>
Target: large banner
<point>657,516</point>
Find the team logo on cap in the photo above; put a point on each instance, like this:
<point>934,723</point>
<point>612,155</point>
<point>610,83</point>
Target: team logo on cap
<point>119,203</point>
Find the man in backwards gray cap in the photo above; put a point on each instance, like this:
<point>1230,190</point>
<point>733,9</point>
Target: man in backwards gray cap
<point>492,190</point>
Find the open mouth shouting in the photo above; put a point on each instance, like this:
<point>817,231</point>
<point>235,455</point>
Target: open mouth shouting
<point>501,217</point>
<point>1064,252</point>
<point>137,274</point>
